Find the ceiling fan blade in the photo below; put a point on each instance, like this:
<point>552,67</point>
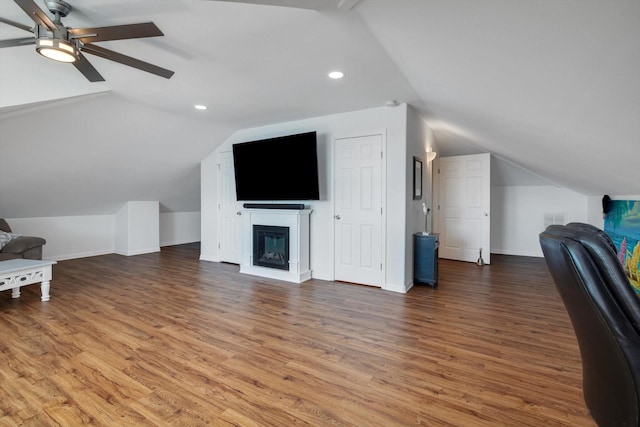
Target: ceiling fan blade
<point>115,32</point>
<point>126,60</point>
<point>35,13</point>
<point>85,67</point>
<point>17,42</point>
<point>17,24</point>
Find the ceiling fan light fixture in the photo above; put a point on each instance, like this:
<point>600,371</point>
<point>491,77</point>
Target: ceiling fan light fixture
<point>57,49</point>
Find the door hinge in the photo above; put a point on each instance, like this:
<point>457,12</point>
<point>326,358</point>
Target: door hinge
<point>380,266</point>
<point>218,245</point>
<point>381,155</point>
<point>438,170</point>
<point>381,211</point>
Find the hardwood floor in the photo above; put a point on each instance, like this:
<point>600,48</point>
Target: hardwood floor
<point>164,339</point>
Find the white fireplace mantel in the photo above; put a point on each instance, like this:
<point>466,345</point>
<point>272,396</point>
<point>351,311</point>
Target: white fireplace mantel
<point>298,223</point>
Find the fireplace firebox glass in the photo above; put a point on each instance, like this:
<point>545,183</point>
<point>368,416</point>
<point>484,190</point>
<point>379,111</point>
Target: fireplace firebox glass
<point>271,246</point>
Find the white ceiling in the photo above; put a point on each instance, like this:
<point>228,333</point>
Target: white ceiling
<point>551,86</point>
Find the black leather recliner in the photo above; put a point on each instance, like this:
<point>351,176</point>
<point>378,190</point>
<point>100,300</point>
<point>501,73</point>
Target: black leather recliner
<point>605,314</point>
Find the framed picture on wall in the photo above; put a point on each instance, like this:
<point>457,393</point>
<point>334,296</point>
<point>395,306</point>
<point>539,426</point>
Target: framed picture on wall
<point>417,178</point>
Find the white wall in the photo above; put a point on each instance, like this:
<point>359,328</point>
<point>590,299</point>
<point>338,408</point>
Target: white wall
<point>389,121</point>
<point>70,236</point>
<point>594,211</point>
<point>177,228</point>
<point>81,236</point>
<point>517,215</point>
<point>138,228</point>
<point>419,137</point>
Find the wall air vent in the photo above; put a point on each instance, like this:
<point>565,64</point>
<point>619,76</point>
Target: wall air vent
<point>552,218</point>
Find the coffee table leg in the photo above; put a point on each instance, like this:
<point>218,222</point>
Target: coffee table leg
<point>44,289</point>
<point>15,292</point>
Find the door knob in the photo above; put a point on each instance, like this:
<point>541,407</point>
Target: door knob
<point>238,213</point>
<point>337,216</point>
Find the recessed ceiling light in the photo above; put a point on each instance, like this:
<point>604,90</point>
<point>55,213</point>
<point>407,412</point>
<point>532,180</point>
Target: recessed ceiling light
<point>336,74</point>
<point>200,107</point>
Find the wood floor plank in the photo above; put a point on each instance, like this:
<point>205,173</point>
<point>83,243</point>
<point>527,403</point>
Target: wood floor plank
<point>164,339</point>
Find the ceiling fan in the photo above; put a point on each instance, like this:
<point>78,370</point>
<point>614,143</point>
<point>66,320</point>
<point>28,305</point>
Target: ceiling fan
<point>65,44</point>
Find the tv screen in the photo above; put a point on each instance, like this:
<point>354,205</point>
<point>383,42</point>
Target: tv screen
<point>283,168</point>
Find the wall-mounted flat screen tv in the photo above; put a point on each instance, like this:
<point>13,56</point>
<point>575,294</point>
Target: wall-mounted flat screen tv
<point>282,168</point>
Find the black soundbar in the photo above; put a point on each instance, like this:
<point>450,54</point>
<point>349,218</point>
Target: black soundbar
<point>294,206</point>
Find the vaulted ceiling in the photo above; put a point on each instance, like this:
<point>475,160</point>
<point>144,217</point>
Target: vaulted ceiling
<point>551,86</point>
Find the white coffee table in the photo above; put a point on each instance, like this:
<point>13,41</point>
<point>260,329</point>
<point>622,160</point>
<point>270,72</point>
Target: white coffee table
<point>16,273</point>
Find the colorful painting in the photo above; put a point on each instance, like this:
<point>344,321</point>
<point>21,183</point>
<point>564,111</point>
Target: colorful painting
<point>622,223</point>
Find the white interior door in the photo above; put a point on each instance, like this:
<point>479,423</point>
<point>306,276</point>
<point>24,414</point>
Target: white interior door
<point>463,202</point>
<point>229,213</point>
<point>358,210</point>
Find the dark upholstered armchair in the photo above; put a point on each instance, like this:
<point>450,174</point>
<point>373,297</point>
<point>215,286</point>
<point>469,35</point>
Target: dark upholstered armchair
<point>21,247</point>
<point>605,314</point>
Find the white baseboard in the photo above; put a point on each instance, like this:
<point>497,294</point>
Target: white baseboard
<point>409,286</point>
<point>205,257</point>
<point>178,242</point>
<point>65,257</point>
<point>399,289</point>
<point>139,252</point>
<point>517,253</point>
